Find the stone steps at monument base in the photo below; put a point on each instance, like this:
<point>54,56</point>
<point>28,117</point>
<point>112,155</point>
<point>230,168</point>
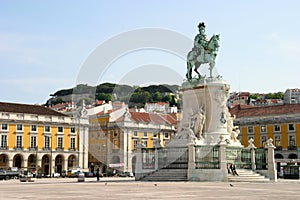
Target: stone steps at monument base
<point>247,176</point>
<point>167,175</point>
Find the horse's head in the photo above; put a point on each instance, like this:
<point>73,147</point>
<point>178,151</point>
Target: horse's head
<point>213,43</point>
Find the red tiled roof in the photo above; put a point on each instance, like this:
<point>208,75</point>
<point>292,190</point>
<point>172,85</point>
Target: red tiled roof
<point>252,111</point>
<point>156,118</point>
<point>28,109</point>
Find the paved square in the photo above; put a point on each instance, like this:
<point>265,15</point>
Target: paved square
<point>127,188</point>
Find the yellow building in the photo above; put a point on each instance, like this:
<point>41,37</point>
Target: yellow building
<point>281,123</point>
<point>113,137</point>
<point>35,137</point>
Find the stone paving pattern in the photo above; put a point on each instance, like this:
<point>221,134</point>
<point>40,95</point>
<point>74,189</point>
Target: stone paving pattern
<point>127,188</point>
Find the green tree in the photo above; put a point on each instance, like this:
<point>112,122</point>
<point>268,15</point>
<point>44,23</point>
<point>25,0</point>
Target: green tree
<point>157,96</point>
<point>104,96</point>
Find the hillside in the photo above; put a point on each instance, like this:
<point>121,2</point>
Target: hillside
<point>132,95</point>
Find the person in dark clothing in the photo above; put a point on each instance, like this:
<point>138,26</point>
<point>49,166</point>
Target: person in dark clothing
<point>97,174</point>
<point>233,169</point>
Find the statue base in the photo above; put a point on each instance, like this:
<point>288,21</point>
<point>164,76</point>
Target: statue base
<point>205,115</point>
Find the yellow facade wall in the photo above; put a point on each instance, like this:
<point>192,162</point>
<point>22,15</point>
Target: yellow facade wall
<point>12,136</point>
<point>26,136</point>
<point>297,126</point>
<point>40,141</point>
<point>284,136</point>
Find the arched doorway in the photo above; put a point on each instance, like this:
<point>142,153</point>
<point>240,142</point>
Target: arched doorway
<point>4,161</point>
<point>278,156</point>
<point>18,161</point>
<point>72,161</point>
<point>31,163</point>
<point>292,156</point>
<point>46,165</point>
<point>59,164</point>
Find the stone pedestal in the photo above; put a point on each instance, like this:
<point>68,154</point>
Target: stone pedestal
<point>209,95</point>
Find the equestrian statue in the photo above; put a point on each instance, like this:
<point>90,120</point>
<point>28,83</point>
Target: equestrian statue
<point>204,51</point>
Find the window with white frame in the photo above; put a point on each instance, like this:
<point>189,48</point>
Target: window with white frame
<point>277,140</point>
<point>263,128</point>
<point>73,130</point>
<point>263,140</point>
<point>72,143</point>
<point>60,129</point>
<point>291,127</point>
<point>60,142</point>
<point>145,134</point>
<point>145,143</point>
<point>33,128</point>
<point>47,142</point>
<point>292,140</point>
<point>19,141</point>
<point>103,135</point>
<point>277,128</point>
<point>19,127</point>
<point>47,129</point>
<point>4,127</point>
<point>166,135</point>
<point>98,147</point>
<point>32,141</point>
<point>135,133</point>
<point>135,143</point>
<point>115,133</point>
<point>154,135</point>
<point>250,129</point>
<point>3,141</point>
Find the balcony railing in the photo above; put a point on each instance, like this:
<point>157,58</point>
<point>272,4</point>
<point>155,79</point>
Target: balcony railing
<point>278,148</point>
<point>4,148</point>
<point>72,149</point>
<point>59,148</point>
<point>292,147</point>
<point>19,148</point>
<point>115,150</point>
<point>33,148</point>
<point>46,148</point>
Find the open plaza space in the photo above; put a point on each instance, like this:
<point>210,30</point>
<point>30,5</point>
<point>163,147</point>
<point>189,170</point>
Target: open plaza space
<point>128,188</point>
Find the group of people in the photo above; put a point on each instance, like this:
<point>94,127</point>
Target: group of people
<point>232,169</point>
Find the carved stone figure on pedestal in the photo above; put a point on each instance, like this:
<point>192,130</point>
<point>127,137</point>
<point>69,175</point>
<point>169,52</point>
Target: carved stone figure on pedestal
<point>197,122</point>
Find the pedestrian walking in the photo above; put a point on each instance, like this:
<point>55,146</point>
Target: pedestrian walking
<point>97,174</point>
<point>233,169</point>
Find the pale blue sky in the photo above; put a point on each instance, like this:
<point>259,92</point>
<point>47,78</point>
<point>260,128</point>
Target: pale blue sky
<point>44,44</point>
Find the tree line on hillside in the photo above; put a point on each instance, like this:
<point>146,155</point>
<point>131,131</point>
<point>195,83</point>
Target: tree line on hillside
<point>132,95</point>
<point>277,95</point>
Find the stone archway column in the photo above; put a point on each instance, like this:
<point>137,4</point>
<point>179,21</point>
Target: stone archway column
<point>10,162</point>
<point>25,163</point>
<point>66,164</point>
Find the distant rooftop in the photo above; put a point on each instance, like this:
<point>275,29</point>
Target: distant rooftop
<point>252,111</point>
<point>28,109</point>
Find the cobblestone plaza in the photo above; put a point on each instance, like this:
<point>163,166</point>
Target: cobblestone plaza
<point>127,188</point>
